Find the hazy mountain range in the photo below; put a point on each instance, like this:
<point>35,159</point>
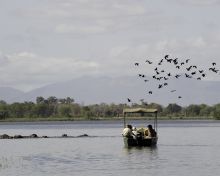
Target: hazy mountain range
<point>92,90</point>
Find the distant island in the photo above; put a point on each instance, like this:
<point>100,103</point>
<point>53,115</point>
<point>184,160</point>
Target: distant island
<point>55,109</point>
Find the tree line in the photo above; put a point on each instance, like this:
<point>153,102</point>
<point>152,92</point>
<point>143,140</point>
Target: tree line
<point>53,107</point>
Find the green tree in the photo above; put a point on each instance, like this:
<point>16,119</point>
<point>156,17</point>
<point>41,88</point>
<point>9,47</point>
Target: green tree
<point>216,111</point>
<point>3,110</point>
<point>52,100</point>
<point>156,106</point>
<point>205,110</point>
<point>65,110</point>
<point>69,100</point>
<point>193,110</point>
<point>41,110</point>
<point>16,110</point>
<point>173,108</point>
<point>2,102</point>
<point>28,109</point>
<point>76,108</point>
<point>40,100</point>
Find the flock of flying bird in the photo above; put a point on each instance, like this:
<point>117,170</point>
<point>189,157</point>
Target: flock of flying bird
<point>185,69</point>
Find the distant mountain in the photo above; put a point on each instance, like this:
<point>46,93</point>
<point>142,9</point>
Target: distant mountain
<point>88,90</point>
<point>9,94</point>
<point>92,90</point>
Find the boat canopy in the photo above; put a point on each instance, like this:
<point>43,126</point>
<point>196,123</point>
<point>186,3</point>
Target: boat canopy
<point>139,110</point>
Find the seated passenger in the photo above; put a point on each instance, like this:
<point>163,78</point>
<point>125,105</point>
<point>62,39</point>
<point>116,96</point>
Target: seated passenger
<point>127,132</point>
<point>151,132</point>
<point>134,131</point>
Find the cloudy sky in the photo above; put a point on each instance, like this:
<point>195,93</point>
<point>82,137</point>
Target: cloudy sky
<point>48,41</point>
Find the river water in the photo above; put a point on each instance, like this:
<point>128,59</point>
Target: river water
<point>184,148</point>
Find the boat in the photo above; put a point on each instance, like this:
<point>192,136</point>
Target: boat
<point>140,139</point>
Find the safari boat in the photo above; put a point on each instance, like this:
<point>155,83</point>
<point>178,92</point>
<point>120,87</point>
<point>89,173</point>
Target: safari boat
<point>140,139</point>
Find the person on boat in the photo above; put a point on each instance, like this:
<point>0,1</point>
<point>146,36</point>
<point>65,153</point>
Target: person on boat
<point>134,131</point>
<point>150,132</point>
<point>127,131</point>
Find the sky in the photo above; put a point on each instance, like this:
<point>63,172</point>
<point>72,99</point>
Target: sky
<point>49,41</point>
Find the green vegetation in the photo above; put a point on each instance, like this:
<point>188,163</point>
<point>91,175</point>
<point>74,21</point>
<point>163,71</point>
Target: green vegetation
<point>54,109</point>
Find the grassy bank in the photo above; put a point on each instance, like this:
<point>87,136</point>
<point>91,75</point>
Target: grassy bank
<point>100,118</point>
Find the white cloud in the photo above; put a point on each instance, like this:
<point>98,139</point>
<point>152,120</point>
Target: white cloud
<point>94,17</point>
<point>25,55</point>
<point>27,68</point>
<point>199,43</point>
<point>84,10</point>
<point>83,29</point>
<point>201,2</point>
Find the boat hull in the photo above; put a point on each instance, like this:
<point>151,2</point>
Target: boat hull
<point>129,142</point>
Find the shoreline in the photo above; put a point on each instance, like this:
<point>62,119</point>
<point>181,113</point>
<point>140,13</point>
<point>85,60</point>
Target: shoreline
<point>110,120</point>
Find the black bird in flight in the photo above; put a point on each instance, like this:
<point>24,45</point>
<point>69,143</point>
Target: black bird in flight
<point>188,76</point>
<point>160,86</point>
<point>213,63</point>
<point>166,56</point>
<point>189,68</point>
<point>172,90</point>
<point>159,78</point>
<point>160,62</point>
<point>129,100</point>
<point>136,64</point>
<point>169,60</point>
<point>175,61</point>
<point>193,73</point>
<point>177,76</point>
<point>187,60</point>
<point>194,66</point>
<point>179,97</point>
<point>140,75</point>
<point>157,72</point>
<point>149,62</point>
<point>150,92</point>
<point>214,70</point>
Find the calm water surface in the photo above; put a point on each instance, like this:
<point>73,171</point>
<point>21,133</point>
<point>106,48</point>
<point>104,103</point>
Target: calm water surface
<point>184,148</point>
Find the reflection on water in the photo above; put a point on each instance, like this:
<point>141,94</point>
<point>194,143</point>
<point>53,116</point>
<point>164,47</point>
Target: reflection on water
<point>182,150</point>
<point>4,162</point>
<point>142,150</point>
